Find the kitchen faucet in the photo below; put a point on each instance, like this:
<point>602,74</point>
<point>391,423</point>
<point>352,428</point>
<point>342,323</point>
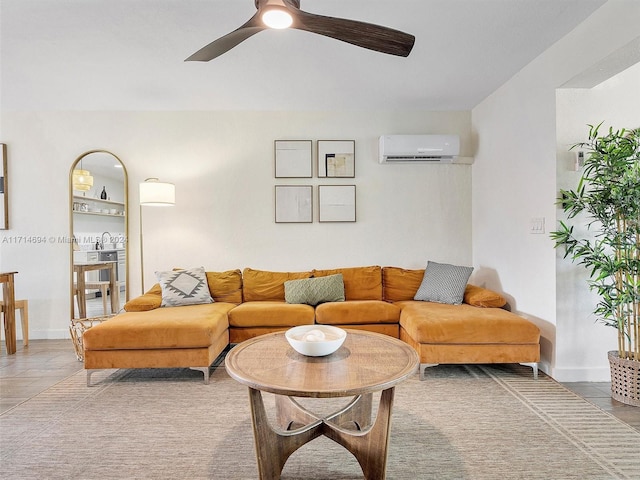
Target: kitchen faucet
<point>102,239</point>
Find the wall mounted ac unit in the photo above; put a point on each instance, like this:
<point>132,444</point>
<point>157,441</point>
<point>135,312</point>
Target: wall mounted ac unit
<point>419,148</point>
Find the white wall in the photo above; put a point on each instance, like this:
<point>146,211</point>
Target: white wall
<point>616,102</point>
<point>514,177</point>
<point>222,166</point>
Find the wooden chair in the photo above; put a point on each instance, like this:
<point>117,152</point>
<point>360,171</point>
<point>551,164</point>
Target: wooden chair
<point>23,307</point>
<point>103,286</point>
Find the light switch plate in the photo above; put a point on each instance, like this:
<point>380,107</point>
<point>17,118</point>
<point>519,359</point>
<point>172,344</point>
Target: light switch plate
<point>536,225</point>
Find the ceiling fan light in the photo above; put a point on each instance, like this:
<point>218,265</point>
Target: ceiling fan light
<point>278,18</point>
<point>82,180</point>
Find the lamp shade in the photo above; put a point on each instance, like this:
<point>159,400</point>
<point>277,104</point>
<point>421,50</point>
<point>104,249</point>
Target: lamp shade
<point>156,193</point>
<point>82,180</point>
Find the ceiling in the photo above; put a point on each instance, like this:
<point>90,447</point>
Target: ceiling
<point>128,54</point>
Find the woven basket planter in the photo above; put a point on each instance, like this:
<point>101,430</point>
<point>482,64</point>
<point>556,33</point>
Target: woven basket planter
<point>625,379</point>
<point>77,329</point>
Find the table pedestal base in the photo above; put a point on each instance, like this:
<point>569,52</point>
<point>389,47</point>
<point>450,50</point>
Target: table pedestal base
<point>367,442</point>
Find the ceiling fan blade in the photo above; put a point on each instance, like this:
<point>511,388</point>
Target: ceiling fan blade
<point>230,40</point>
<point>366,35</point>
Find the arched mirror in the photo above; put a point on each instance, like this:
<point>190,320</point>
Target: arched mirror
<point>99,228</point>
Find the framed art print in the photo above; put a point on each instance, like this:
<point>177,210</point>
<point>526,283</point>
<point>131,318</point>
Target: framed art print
<point>294,204</point>
<point>4,194</point>
<point>337,203</point>
<point>336,158</point>
<point>293,159</point>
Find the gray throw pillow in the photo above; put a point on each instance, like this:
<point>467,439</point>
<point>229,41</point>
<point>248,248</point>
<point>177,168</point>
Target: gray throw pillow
<point>443,283</point>
<point>184,287</point>
<point>313,291</point>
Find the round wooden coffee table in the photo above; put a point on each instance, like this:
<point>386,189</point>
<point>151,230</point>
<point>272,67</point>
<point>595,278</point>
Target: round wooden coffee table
<point>365,363</point>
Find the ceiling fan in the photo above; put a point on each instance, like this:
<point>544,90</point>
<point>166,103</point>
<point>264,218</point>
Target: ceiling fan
<point>286,13</point>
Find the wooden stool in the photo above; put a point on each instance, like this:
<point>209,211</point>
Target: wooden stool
<point>103,286</point>
<point>23,307</point>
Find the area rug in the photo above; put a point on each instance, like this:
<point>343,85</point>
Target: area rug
<point>463,422</point>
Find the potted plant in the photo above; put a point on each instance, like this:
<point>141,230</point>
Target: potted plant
<point>608,195</point>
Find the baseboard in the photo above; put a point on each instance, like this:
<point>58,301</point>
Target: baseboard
<point>51,334</point>
<point>594,374</point>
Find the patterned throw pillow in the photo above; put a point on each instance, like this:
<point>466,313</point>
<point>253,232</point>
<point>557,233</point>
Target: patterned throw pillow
<point>313,291</point>
<point>184,287</point>
<point>443,283</point>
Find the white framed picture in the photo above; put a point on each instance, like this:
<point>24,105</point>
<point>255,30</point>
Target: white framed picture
<point>336,158</point>
<point>337,203</point>
<point>294,203</point>
<point>293,159</point>
<point>4,194</point>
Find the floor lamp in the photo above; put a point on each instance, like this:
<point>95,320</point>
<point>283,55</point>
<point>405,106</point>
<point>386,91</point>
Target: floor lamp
<point>154,193</point>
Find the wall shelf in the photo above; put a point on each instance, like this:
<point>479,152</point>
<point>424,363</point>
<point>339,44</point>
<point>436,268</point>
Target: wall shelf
<point>98,200</point>
<point>100,213</point>
<point>97,204</point>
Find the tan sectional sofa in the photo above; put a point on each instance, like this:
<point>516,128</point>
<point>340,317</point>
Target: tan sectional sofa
<point>478,331</point>
<point>252,302</point>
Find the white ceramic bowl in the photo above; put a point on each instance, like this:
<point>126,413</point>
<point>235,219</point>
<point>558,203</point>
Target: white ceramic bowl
<point>315,340</point>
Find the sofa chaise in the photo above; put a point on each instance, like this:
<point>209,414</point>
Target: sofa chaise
<point>254,302</point>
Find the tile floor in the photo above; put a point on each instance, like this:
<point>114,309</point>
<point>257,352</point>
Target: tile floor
<point>41,364</point>
<point>33,369</point>
<point>599,393</point>
<point>45,362</point>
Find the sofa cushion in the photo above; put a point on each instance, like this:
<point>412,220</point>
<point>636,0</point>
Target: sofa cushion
<point>184,287</point>
<point>400,284</point>
<point>357,312</point>
<point>428,322</point>
<point>313,291</point>
<point>191,326</point>
<point>150,300</point>
<point>483,297</point>
<point>360,283</point>
<point>225,286</point>
<point>443,283</point>
<point>271,314</point>
<point>263,285</point>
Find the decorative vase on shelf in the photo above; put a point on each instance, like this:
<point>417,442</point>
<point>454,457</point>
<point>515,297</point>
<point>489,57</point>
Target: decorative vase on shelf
<point>103,195</point>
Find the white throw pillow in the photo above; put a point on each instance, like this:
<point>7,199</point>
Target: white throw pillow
<point>443,283</point>
<point>184,287</point>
